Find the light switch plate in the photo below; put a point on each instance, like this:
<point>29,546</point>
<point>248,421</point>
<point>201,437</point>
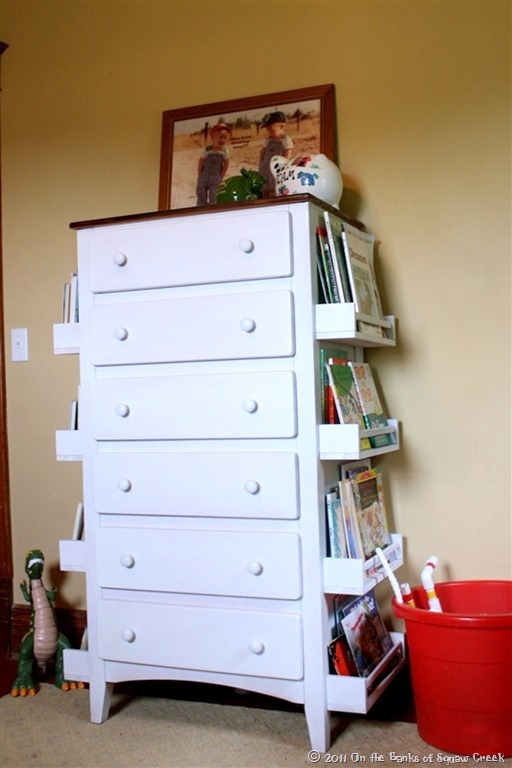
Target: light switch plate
<point>19,344</point>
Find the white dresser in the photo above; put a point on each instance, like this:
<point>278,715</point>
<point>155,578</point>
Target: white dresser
<point>204,462</point>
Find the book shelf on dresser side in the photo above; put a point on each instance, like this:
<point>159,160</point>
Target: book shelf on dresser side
<point>229,484</point>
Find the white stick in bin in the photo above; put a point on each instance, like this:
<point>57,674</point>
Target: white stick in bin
<point>391,576</point>
<point>407,594</point>
<point>428,584</point>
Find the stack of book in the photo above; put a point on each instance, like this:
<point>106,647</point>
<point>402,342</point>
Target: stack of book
<point>350,396</point>
<point>357,520</point>
<point>345,259</point>
<point>361,639</point>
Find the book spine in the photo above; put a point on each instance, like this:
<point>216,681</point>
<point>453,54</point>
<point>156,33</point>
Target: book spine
<point>369,401</point>
<point>334,228</point>
<point>350,274</point>
<point>331,274</point>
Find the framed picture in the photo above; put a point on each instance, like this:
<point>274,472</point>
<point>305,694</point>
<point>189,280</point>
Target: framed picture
<point>203,145</point>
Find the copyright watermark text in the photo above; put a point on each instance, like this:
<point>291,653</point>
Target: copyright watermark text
<point>353,758</point>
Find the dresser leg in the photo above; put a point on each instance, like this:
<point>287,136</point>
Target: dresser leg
<point>319,727</point>
<point>100,696</point>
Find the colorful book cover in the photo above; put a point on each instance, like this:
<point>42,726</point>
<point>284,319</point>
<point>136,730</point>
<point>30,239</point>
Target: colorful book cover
<point>331,410</point>
<point>353,539</point>
<point>359,247</point>
<point>348,409</point>
<point>369,400</point>
<point>367,637</point>
<point>335,353</point>
<point>370,510</point>
<point>337,543</point>
<point>341,380</point>
<point>341,656</point>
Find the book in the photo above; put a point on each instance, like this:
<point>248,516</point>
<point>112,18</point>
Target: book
<point>341,656</point>
<point>370,510</point>
<point>331,284</point>
<point>78,526</point>
<point>372,329</point>
<point>336,353</point>
<point>352,535</point>
<point>324,295</point>
<point>344,395</point>
<point>349,468</point>
<point>334,230</point>
<point>369,401</point>
<point>73,299</point>
<point>70,300</point>
<point>367,637</point>
<point>66,290</point>
<point>346,399</point>
<point>73,415</point>
<point>335,526</point>
<point>331,410</point>
<point>358,248</point>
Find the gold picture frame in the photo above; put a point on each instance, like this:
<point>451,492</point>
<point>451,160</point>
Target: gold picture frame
<point>310,125</point>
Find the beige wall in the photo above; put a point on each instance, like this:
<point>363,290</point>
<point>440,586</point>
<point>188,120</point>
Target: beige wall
<point>423,125</point>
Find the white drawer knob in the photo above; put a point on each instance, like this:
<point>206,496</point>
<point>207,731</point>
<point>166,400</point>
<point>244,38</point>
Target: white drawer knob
<point>120,259</point>
<point>255,568</point>
<point>256,646</point>
<point>128,635</point>
<point>124,484</point>
<point>247,324</point>
<point>252,486</point>
<point>250,405</point>
<point>127,561</point>
<point>122,410</point>
<point>121,333</point>
<point>246,245</point>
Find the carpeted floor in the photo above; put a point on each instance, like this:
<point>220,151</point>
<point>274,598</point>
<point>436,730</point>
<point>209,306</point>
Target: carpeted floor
<point>52,730</point>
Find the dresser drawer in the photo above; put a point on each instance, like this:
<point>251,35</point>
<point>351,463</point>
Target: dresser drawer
<point>241,642</point>
<point>235,563</point>
<point>236,405</point>
<point>244,485</point>
<point>190,251</point>
<point>225,327</point>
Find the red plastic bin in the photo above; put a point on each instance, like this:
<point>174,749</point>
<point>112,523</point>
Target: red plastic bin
<point>461,666</point>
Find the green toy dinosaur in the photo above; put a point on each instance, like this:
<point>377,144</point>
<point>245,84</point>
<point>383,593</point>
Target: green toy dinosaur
<point>43,641</point>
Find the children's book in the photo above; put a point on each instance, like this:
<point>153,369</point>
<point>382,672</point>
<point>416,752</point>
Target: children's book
<point>331,412</point>
<point>346,402</point>
<point>352,535</point>
<point>372,329</point>
<point>340,355</point>
<point>367,637</point>
<point>350,468</point>
<point>359,248</point>
<point>370,510</point>
<point>331,280</point>
<point>334,229</point>
<point>323,288</point>
<point>337,543</point>
<point>369,401</point>
<point>341,656</point>
<point>346,399</point>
